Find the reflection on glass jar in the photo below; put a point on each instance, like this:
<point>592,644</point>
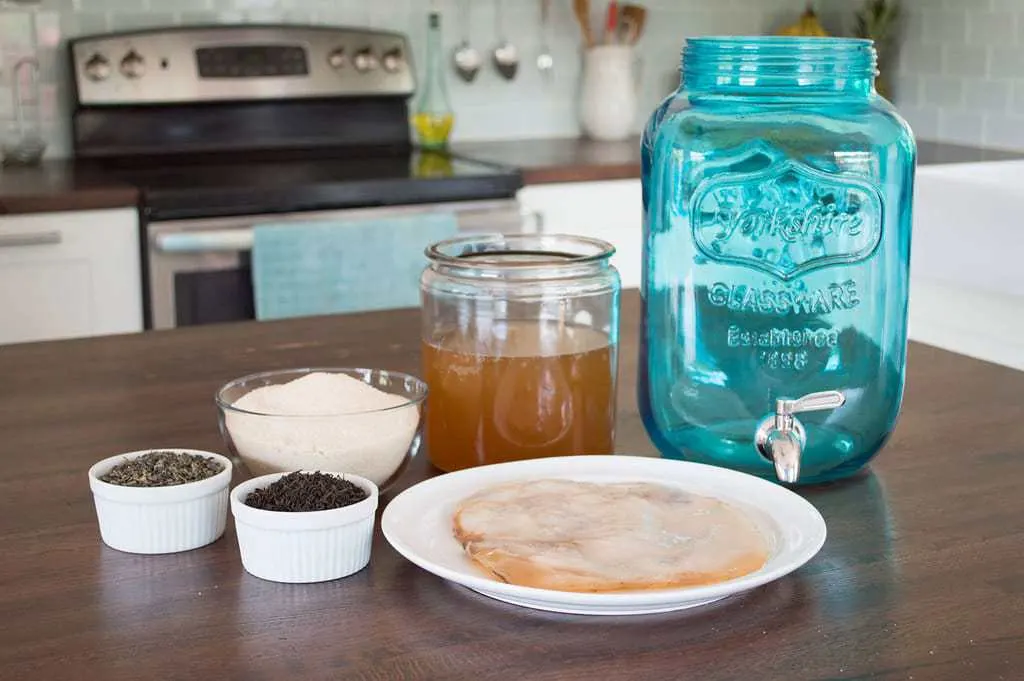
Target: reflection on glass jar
<point>520,335</point>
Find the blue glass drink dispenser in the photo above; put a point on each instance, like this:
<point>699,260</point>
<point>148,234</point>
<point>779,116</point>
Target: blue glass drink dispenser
<point>777,189</point>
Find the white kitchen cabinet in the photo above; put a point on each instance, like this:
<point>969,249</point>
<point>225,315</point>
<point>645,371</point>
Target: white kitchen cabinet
<point>609,210</point>
<point>966,283</point>
<point>70,274</point>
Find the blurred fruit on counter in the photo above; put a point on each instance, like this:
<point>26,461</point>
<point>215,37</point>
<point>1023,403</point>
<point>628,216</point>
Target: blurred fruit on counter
<point>806,26</point>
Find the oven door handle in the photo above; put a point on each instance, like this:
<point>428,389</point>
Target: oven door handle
<point>213,241</point>
<point>240,239</point>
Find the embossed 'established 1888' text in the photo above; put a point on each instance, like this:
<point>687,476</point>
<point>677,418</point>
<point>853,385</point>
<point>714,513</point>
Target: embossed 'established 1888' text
<point>783,348</point>
<point>782,338</point>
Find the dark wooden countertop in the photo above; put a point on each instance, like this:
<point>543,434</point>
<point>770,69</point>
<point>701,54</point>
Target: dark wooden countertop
<point>62,185</point>
<point>582,160</point>
<point>59,185</point>
<point>921,576</point>
<point>561,160</point>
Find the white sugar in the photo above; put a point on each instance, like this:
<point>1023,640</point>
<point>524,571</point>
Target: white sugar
<point>318,394</point>
<point>323,422</point>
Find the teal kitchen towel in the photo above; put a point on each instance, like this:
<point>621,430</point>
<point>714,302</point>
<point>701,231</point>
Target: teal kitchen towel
<point>330,267</point>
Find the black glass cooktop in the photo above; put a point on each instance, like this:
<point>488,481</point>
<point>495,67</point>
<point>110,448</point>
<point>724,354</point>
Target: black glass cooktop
<point>243,184</point>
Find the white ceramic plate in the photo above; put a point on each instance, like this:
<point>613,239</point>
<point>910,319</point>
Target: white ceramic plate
<point>418,524</point>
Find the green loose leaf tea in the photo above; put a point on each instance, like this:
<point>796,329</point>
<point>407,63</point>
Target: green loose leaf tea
<point>162,469</point>
<point>302,492</point>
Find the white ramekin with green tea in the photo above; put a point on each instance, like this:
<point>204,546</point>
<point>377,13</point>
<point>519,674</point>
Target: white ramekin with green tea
<point>161,500</point>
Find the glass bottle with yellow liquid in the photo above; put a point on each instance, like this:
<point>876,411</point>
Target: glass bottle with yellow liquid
<point>433,117</point>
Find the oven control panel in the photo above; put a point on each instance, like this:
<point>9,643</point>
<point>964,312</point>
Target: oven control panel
<point>196,64</point>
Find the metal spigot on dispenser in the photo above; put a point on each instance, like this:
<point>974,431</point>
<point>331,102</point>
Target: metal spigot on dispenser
<point>781,438</point>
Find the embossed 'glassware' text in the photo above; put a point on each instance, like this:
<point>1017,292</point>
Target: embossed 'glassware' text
<point>777,192</point>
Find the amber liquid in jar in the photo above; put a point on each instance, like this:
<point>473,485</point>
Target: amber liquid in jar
<point>522,390</point>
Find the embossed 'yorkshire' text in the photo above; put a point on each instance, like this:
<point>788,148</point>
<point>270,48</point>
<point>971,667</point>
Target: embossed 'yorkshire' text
<point>786,220</point>
<point>790,224</point>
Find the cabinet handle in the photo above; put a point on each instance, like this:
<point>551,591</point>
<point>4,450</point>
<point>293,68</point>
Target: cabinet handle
<point>30,239</point>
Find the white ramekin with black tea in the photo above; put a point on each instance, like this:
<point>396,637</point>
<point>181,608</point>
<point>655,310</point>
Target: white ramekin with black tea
<point>304,547</point>
<point>163,518</point>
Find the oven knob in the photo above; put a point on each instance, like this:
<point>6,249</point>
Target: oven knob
<point>365,60</point>
<point>133,65</point>
<point>97,68</point>
<point>336,58</point>
<point>392,60</point>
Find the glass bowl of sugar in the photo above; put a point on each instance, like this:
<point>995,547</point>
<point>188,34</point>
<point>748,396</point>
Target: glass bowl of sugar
<point>362,421</point>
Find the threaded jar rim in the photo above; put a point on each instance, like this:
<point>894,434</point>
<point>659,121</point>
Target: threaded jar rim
<point>772,62</point>
<point>519,251</point>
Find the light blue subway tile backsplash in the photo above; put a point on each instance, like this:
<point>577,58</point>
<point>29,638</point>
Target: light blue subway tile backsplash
<point>921,58</point>
<point>960,126</point>
<point>946,26</point>
<point>489,108</point>
<point>958,72</point>
<point>1018,99</point>
<point>943,91</point>
<point>923,119</point>
<point>987,28</point>
<point>988,95</point>
<point>965,62</point>
<point>971,97</point>
<point>1005,130</point>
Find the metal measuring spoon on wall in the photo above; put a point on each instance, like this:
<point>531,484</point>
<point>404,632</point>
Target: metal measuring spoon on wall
<point>466,58</point>
<point>545,60</point>
<point>506,56</point>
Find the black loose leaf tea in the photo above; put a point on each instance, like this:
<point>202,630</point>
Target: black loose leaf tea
<point>302,492</point>
<point>162,469</point>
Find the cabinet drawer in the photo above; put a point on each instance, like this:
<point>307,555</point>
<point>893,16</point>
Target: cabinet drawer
<point>50,237</point>
<point>65,275</point>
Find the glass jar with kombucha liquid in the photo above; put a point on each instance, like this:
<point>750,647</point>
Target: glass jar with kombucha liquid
<point>520,340</point>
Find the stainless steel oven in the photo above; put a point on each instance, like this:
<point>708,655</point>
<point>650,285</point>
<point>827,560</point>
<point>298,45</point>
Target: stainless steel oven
<point>199,271</point>
<point>224,128</point>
